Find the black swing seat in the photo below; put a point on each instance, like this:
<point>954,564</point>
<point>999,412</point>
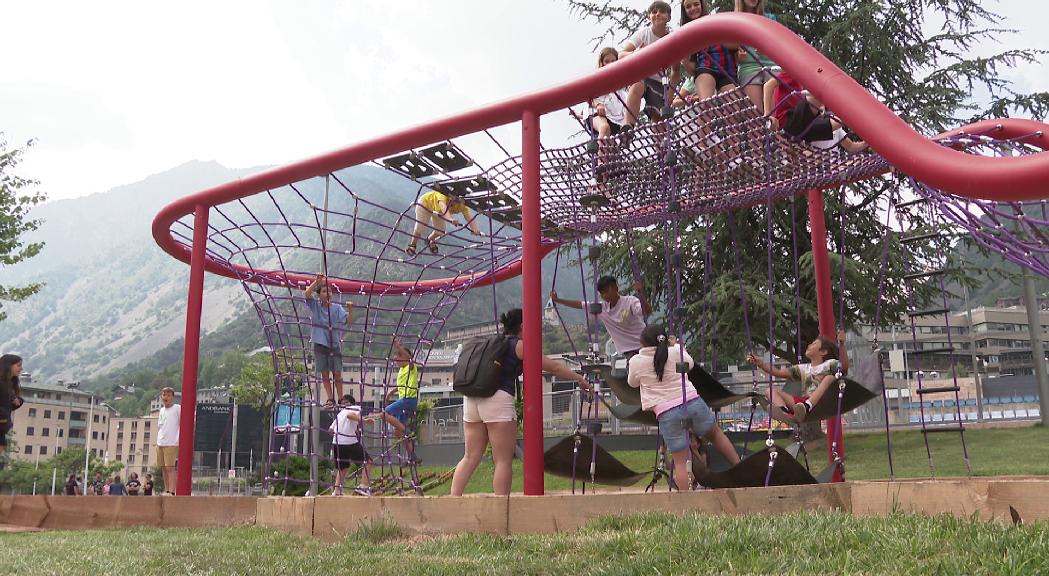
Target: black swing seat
<point>632,413</point>
<point>715,394</point>
<point>856,395</point>
<point>752,471</point>
<point>710,390</point>
<point>609,471</point>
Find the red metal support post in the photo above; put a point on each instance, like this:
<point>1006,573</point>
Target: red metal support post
<point>190,357</point>
<point>824,305</point>
<point>532,305</point>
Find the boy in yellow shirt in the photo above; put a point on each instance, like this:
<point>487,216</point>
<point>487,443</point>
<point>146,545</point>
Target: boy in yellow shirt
<point>432,211</point>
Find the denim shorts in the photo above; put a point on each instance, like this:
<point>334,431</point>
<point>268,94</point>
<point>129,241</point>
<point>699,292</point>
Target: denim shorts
<point>672,423</point>
<point>403,409</point>
<point>327,359</point>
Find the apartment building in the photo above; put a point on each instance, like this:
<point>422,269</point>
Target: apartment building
<point>55,417</point>
<point>132,440</point>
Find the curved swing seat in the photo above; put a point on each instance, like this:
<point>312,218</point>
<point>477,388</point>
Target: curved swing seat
<point>616,380</point>
<point>633,413</point>
<point>609,470</point>
<point>752,470</point>
<point>714,393</point>
<point>856,395</point>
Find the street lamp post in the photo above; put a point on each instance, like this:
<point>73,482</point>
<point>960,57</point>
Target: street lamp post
<point>87,439</point>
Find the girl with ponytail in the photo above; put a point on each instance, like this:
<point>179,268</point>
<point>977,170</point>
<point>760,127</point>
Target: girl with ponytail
<point>678,412</point>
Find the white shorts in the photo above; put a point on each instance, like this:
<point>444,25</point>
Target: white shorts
<point>839,135</point>
<point>498,408</point>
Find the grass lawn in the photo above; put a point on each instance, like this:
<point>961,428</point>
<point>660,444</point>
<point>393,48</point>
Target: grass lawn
<point>992,452</point>
<point>827,543</point>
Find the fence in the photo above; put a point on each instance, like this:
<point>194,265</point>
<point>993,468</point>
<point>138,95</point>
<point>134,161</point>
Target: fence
<point>563,411</point>
<point>567,410</point>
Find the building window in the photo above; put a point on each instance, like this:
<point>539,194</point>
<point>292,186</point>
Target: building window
<point>58,396</point>
<point>61,415</point>
<point>96,418</point>
<point>145,460</point>
<point>61,433</point>
<point>32,412</point>
<point>120,435</point>
<point>45,432</point>
<point>134,425</point>
<point>132,449</point>
<point>146,436</point>
<point>58,450</point>
<point>120,458</point>
<point>94,435</point>
<point>134,435</point>
<point>47,413</point>
<point>30,431</point>
<point>28,449</point>
<point>103,435</point>
<point>147,424</point>
<point>120,447</point>
<point>43,450</point>
<point>103,419</point>
<point>131,459</point>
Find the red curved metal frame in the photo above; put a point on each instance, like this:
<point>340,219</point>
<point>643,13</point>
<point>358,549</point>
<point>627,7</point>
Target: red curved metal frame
<point>1019,178</point>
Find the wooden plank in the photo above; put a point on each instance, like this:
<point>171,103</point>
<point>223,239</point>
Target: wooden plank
<point>786,499</point>
<point>485,513</point>
<point>557,513</point>
<point>961,498</point>
<point>336,516</point>
<point>1029,497</point>
<point>206,511</point>
<point>287,513</point>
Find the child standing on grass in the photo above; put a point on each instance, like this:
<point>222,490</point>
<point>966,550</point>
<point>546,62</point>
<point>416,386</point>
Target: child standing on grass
<point>677,412</point>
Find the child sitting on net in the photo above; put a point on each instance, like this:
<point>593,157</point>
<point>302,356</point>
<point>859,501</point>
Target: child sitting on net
<point>803,116</point>
<point>678,411</point>
<point>819,374</point>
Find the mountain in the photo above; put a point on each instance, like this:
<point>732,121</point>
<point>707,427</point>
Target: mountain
<point>112,299</point>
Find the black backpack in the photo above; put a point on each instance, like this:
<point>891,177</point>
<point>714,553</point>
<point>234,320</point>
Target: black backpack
<point>480,366</point>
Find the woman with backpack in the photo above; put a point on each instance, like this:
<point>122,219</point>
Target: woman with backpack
<point>493,419</point>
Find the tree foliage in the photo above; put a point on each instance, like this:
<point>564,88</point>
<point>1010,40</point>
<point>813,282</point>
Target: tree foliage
<point>19,475</point>
<point>17,197</point>
<point>931,80</point>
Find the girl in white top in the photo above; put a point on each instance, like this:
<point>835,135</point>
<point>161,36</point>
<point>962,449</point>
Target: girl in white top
<point>674,404</point>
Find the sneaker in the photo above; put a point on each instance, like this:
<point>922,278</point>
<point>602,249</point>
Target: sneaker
<point>800,411</point>
<point>363,491</point>
<point>337,492</point>
<point>410,249</point>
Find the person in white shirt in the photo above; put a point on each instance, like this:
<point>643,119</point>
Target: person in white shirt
<point>623,316</point>
<point>674,404</point>
<point>650,89</point>
<point>347,446</point>
<point>167,437</point>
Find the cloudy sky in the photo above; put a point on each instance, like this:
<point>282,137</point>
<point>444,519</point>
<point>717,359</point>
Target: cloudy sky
<point>114,91</point>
